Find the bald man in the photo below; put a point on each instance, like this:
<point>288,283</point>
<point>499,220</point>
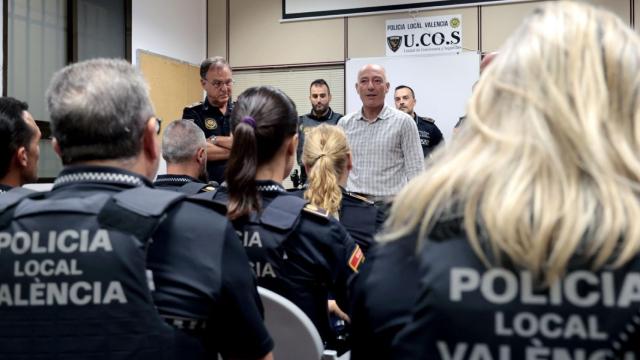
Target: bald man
<point>384,141</point>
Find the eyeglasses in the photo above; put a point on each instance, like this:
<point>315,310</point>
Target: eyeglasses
<point>218,84</point>
<point>158,125</point>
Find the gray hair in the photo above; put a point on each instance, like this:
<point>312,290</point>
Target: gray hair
<point>99,109</point>
<point>181,140</point>
<point>212,62</point>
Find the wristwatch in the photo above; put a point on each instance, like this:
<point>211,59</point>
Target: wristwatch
<point>212,140</point>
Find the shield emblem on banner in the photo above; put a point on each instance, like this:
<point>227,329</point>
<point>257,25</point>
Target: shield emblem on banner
<point>394,42</point>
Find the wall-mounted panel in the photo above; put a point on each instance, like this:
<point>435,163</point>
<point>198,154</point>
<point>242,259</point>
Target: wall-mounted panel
<point>217,28</point>
<point>258,38</point>
<point>173,28</point>
<point>173,84</point>
<point>295,83</point>
<point>499,21</point>
<point>367,34</point>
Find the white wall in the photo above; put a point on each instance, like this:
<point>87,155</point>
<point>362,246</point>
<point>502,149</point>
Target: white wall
<point>174,28</point>
<point>442,84</point>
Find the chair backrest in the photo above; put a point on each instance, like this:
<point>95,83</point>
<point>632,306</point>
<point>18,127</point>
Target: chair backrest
<point>293,333</point>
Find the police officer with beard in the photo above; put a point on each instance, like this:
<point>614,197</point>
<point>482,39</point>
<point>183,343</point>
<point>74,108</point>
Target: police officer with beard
<point>73,282</point>
<point>184,148</point>
<point>430,135</point>
<point>321,113</point>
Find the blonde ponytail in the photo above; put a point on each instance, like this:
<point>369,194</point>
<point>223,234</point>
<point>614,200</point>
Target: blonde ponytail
<point>325,154</point>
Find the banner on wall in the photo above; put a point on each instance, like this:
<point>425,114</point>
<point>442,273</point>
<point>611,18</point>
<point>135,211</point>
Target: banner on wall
<point>424,35</point>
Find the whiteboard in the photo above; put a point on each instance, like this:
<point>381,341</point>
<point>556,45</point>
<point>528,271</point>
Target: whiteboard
<point>442,84</point>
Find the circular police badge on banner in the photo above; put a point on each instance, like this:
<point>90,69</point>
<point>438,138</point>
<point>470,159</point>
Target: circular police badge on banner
<point>455,22</point>
<point>210,124</point>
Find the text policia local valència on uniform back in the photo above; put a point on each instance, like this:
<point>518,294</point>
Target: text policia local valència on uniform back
<point>60,247</point>
<point>580,289</point>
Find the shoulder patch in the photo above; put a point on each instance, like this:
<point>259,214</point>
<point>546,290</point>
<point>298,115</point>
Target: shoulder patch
<point>197,103</point>
<point>356,259</point>
<point>312,209</point>
<point>360,197</point>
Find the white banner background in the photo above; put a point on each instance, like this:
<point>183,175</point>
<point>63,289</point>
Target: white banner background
<point>442,83</point>
<point>424,35</point>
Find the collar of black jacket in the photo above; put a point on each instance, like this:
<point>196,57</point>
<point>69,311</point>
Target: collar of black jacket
<point>99,174</point>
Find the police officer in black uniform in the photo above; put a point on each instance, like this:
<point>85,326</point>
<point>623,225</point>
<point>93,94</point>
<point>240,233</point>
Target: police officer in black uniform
<point>19,144</point>
<point>327,157</point>
<point>212,114</point>
<point>533,263</point>
<point>382,296</point>
<point>359,216</point>
<point>184,148</point>
<point>321,113</point>
<point>295,249</point>
<point>72,270</point>
<point>430,135</point>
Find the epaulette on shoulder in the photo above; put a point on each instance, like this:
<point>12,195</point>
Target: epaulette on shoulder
<point>360,198</point>
<point>314,210</point>
<point>197,103</point>
<point>208,188</point>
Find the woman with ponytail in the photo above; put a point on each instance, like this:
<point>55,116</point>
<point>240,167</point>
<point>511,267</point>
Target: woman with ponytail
<point>327,161</point>
<point>295,249</point>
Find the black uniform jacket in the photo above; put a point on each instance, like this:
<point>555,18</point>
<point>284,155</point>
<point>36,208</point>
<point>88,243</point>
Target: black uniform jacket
<point>181,183</point>
<point>466,310</point>
<point>300,252</point>
<point>382,296</point>
<point>196,270</point>
<point>360,216</point>
<point>212,121</point>
<point>309,121</point>
<point>430,135</point>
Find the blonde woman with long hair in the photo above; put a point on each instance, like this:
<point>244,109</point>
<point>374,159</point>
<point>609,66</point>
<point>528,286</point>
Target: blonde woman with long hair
<point>327,160</point>
<point>528,224</point>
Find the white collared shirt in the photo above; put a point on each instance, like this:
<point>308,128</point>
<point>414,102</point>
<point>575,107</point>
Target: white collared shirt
<point>386,152</point>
